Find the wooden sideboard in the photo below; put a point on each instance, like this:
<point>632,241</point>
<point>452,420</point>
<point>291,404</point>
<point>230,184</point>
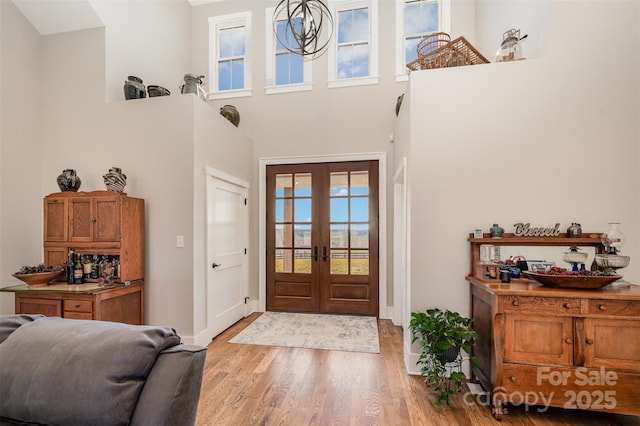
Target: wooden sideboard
<point>96,222</point>
<point>545,346</point>
<point>117,302</point>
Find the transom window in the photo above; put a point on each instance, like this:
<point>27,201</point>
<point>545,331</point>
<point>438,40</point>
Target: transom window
<point>286,71</point>
<point>230,59</point>
<point>353,43</point>
<point>353,55</point>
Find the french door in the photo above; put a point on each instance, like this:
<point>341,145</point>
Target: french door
<point>322,237</point>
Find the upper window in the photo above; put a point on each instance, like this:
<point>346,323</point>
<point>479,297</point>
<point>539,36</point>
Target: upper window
<point>286,71</point>
<point>353,55</point>
<point>416,19</point>
<point>230,55</point>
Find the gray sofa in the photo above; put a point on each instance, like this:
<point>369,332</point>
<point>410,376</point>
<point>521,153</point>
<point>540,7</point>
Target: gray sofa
<point>57,371</point>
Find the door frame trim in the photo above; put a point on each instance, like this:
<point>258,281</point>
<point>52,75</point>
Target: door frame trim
<point>383,310</point>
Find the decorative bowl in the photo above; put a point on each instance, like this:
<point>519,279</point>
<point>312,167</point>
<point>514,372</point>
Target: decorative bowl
<point>614,261</point>
<point>39,279</point>
<point>157,91</point>
<point>572,281</point>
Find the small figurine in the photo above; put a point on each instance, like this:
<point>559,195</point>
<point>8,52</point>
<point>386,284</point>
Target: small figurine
<point>107,275</point>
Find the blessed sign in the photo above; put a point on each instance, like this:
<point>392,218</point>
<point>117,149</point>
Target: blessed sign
<point>525,230</point>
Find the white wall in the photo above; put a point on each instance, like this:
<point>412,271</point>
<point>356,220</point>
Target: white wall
<point>20,147</point>
<point>531,17</point>
<point>162,145</point>
<point>547,140</point>
<point>220,145</point>
<point>148,39</point>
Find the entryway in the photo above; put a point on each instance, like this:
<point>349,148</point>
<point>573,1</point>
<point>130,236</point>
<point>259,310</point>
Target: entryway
<point>322,237</point>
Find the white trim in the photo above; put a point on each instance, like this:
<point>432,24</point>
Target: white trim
<point>227,94</point>
<point>270,62</point>
<point>382,221</point>
<point>216,24</point>
<point>346,82</point>
<point>226,177</point>
<point>400,299</point>
<point>338,6</point>
<point>204,337</point>
<point>288,88</point>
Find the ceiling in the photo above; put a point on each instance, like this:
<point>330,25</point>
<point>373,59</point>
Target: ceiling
<point>59,16</point>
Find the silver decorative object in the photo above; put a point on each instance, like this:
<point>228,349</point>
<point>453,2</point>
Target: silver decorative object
<point>115,180</point>
<point>192,84</point>
<point>309,26</point>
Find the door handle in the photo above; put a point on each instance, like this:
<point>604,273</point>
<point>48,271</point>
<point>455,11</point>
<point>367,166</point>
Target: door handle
<point>315,253</point>
<point>215,265</point>
<point>324,253</point>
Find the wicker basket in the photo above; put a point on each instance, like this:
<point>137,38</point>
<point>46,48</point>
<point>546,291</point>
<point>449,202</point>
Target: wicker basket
<point>432,42</point>
<point>455,53</point>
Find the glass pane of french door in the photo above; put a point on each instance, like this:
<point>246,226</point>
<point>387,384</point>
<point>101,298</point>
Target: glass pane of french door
<point>349,222</point>
<point>293,222</point>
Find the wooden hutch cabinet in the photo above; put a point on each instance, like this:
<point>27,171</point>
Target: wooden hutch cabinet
<point>99,222</point>
<point>547,346</point>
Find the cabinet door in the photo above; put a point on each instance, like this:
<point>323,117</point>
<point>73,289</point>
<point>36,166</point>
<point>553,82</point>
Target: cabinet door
<point>47,307</point>
<point>539,339</point>
<point>107,219</point>
<point>80,219</point>
<point>56,220</point>
<point>612,343</point>
<point>56,256</point>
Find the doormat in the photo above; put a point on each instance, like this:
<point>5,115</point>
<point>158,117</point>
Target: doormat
<point>312,331</point>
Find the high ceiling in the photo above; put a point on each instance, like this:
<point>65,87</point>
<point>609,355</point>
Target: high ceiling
<point>59,16</point>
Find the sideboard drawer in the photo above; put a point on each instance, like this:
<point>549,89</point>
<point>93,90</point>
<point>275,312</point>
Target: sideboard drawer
<point>78,306</point>
<point>78,315</point>
<point>626,308</point>
<point>541,305</point>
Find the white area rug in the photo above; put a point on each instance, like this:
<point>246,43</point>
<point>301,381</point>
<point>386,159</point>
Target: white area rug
<point>312,331</point>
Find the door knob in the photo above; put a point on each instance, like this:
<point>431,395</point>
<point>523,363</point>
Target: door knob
<point>215,265</point>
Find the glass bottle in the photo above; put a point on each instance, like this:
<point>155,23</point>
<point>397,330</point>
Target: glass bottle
<point>94,267</point>
<point>70,266</point>
<point>78,271</point>
<point>86,267</point>
<point>116,267</point>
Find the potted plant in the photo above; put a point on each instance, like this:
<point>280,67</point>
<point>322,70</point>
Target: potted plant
<point>441,335</point>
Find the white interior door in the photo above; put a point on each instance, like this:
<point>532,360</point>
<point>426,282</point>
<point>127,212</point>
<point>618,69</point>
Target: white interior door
<point>227,225</point>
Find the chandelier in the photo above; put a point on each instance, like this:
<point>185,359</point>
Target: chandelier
<point>308,29</point>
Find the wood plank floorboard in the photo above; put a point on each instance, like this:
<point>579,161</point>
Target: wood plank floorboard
<point>266,385</point>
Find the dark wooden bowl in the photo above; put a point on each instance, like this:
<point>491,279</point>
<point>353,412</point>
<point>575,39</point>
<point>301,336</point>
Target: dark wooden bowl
<point>572,281</point>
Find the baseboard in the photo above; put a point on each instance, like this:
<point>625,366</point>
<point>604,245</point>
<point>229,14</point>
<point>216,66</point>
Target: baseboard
<point>252,306</point>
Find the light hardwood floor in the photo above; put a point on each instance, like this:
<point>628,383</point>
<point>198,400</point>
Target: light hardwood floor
<point>265,385</point>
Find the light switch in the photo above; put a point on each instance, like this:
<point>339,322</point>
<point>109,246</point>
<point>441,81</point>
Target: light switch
<point>180,241</point>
